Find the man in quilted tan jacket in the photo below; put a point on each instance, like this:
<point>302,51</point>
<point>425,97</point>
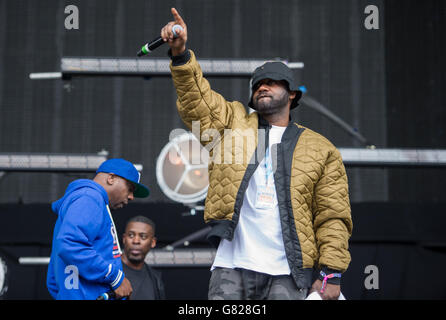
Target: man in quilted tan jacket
<point>278,202</point>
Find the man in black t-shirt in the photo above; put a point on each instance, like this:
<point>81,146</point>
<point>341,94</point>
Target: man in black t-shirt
<point>138,239</point>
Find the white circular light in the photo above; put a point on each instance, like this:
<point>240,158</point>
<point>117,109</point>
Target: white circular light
<point>182,169</point>
<point>3,274</point>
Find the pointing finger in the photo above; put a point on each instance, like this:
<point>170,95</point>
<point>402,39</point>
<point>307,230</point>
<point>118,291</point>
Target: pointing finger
<point>177,17</point>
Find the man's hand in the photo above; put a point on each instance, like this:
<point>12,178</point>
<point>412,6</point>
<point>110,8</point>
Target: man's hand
<point>178,44</point>
<point>331,292</point>
<point>124,290</point>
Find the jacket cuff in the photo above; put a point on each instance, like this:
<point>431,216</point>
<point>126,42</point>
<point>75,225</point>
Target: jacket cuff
<point>327,271</point>
<point>220,229</point>
<point>114,277</point>
<point>180,59</point>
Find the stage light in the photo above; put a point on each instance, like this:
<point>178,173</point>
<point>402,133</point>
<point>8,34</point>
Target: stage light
<point>79,66</point>
<point>3,277</point>
<point>42,162</point>
<point>181,170</point>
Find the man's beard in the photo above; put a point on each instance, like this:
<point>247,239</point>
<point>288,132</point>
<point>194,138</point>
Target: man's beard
<point>134,260</point>
<point>271,105</point>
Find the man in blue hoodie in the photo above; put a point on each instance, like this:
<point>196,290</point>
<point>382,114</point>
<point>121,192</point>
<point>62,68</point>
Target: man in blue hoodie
<point>85,258</point>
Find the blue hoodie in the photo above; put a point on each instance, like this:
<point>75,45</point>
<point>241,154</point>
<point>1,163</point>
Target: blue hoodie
<point>85,258</point>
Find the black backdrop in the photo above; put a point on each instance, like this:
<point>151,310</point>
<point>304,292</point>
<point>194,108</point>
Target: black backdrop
<point>416,99</point>
<point>389,83</point>
<point>133,117</point>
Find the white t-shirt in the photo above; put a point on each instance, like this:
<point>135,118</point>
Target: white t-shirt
<point>258,243</point>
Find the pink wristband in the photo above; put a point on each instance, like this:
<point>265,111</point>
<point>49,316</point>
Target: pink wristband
<point>326,277</point>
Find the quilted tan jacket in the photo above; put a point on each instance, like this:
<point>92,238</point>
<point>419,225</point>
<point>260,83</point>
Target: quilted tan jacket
<point>311,182</point>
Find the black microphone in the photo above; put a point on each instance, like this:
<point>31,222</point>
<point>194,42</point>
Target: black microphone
<point>107,295</point>
<point>152,45</point>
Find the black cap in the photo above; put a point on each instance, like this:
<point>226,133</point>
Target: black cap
<point>275,70</point>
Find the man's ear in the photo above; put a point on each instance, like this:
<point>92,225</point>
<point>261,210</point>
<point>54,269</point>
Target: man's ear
<point>292,95</point>
<point>111,179</point>
<point>153,244</point>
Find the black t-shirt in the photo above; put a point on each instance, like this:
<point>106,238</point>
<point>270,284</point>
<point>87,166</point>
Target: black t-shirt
<point>142,283</point>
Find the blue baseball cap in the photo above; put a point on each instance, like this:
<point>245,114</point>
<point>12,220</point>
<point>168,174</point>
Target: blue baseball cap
<point>126,170</point>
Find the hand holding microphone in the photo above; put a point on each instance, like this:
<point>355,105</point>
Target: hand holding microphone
<point>121,293</point>
<point>152,45</point>
<point>174,33</point>
<point>110,295</point>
